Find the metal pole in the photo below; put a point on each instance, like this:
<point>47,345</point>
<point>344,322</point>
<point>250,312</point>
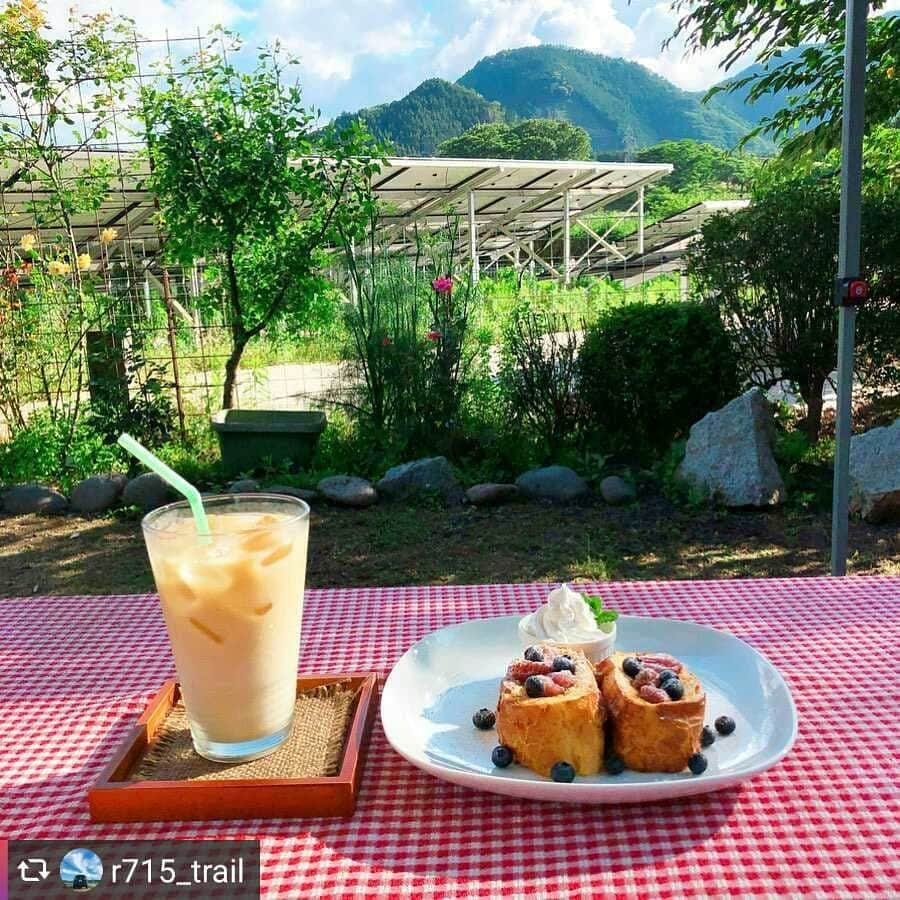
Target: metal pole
<point>641,221</point>
<point>473,240</point>
<point>567,240</point>
<point>848,266</point>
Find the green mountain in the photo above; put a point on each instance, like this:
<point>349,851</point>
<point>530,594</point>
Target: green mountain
<point>434,111</point>
<point>620,104</point>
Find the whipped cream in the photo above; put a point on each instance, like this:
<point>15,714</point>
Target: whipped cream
<point>565,619</point>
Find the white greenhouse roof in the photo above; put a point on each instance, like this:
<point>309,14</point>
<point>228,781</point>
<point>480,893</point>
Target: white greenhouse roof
<point>509,201</point>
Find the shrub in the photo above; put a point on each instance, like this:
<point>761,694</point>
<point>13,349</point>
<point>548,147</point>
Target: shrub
<point>769,271</point>
<point>413,351</point>
<point>45,450</point>
<point>538,373</point>
<point>647,372</point>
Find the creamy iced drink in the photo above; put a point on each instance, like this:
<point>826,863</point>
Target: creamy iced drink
<point>232,604</point>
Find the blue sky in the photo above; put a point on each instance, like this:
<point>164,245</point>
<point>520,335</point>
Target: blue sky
<point>81,861</point>
<point>358,52</point>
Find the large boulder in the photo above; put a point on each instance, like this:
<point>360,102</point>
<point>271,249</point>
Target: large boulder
<point>33,498</point>
<point>875,474</point>
<point>729,454</point>
<point>490,494</point>
<point>148,491</point>
<point>558,484</point>
<point>244,486</point>
<point>98,493</point>
<point>288,490</point>
<point>421,478</point>
<point>348,490</point>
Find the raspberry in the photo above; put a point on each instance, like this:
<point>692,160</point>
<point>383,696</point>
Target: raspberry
<point>563,679</point>
<point>645,677</point>
<point>662,659</point>
<point>653,694</point>
<point>521,669</point>
<point>551,689</point>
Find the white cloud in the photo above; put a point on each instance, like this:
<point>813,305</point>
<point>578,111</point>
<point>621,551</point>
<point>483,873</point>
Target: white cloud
<point>329,36</point>
<point>153,18</point>
<point>690,71</point>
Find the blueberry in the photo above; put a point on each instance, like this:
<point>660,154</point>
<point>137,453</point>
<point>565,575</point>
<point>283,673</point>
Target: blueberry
<point>674,688</point>
<point>630,666</point>
<point>666,674</point>
<point>725,725</point>
<point>707,736</point>
<point>502,756</point>
<point>562,771</point>
<point>615,765</point>
<point>533,654</point>
<point>697,763</point>
<point>534,686</point>
<point>484,719</point>
<point>561,663</point>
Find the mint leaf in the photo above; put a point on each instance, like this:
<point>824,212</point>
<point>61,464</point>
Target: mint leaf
<point>601,616</point>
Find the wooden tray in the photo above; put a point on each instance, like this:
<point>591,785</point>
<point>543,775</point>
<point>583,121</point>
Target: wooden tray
<point>113,798</point>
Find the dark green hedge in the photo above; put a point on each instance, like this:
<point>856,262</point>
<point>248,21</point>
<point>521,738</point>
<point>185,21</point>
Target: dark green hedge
<point>647,372</point>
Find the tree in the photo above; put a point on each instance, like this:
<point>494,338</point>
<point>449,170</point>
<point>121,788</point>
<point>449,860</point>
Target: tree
<point>699,165</point>
<point>769,271</point>
<point>810,123</point>
<point>524,139</point>
<point>245,184</point>
<point>59,97</point>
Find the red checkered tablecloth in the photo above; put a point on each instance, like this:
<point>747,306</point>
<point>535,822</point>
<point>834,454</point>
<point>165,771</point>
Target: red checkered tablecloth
<point>75,672</point>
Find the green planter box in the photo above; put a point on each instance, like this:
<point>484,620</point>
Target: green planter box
<point>247,437</point>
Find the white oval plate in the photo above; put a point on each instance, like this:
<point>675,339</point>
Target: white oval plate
<point>436,686</point>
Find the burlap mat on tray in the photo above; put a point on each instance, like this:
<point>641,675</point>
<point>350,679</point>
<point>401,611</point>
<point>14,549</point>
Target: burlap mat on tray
<point>314,749</point>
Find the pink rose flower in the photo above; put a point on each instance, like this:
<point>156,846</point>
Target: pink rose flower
<point>443,284</point>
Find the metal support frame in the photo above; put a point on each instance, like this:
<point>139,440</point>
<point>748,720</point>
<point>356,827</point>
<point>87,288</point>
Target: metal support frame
<point>599,241</point>
<point>567,239</point>
<point>529,249</point>
<point>473,240</point>
<point>641,221</point>
<point>848,266</point>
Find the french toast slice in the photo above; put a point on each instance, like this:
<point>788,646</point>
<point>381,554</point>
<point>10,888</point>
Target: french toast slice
<point>567,727</point>
<point>651,737</point>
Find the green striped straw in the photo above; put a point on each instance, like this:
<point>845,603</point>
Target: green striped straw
<point>154,463</point>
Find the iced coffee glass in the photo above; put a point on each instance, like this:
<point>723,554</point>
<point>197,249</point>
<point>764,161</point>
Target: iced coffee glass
<point>233,603</point>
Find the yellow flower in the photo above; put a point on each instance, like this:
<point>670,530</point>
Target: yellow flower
<point>58,267</point>
<point>84,262</point>
<point>889,72</point>
<point>108,235</point>
<point>28,242</point>
<point>32,12</point>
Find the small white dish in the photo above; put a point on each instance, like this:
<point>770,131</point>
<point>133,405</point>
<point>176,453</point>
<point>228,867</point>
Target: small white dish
<point>596,650</point>
<point>436,686</point>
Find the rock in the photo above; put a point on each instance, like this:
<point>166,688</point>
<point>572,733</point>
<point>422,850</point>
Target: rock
<point>244,486</point>
<point>729,454</point>
<point>300,493</point>
<point>98,493</point>
<point>147,491</point>
<point>617,491</point>
<point>875,474</point>
<point>491,494</point>
<point>423,476</point>
<point>559,484</point>
<point>348,490</point>
<point>33,498</point>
